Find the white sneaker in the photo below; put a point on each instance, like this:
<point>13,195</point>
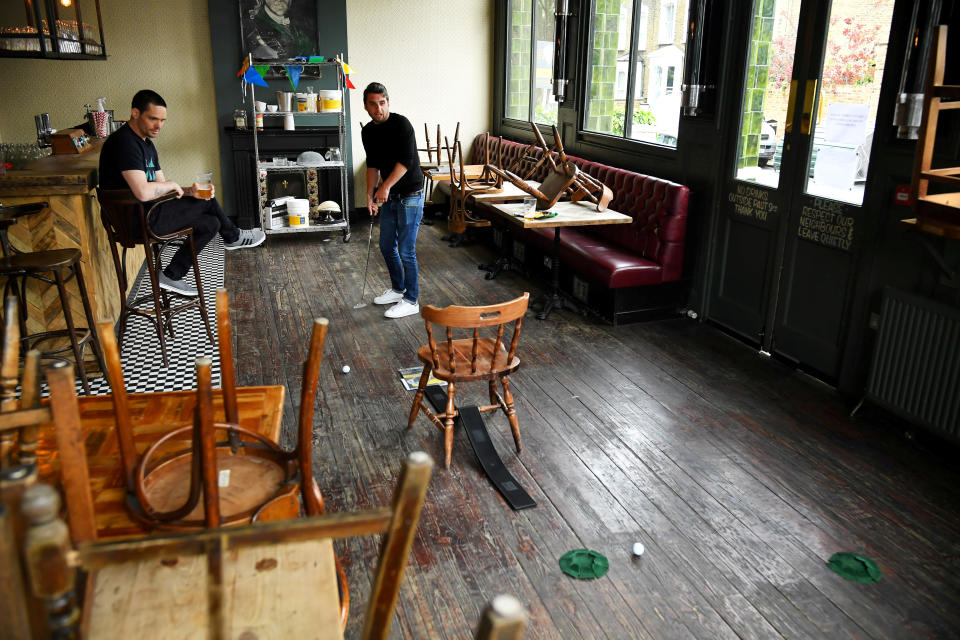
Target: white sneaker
<point>402,309</point>
<point>388,297</point>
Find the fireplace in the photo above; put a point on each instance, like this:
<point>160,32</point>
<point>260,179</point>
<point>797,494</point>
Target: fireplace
<point>254,189</point>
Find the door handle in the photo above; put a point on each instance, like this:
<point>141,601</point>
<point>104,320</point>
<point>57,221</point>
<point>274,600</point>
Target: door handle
<point>809,98</point>
<point>788,125</point>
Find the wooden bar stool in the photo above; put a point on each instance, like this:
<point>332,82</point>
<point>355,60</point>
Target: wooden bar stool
<point>120,211</point>
<point>55,267</point>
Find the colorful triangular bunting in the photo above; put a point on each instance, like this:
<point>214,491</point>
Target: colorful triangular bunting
<point>253,76</point>
<point>293,72</point>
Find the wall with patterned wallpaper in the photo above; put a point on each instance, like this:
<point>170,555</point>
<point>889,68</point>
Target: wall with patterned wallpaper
<point>436,60</point>
<point>160,45</point>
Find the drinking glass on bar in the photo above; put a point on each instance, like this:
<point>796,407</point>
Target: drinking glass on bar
<point>205,185</point>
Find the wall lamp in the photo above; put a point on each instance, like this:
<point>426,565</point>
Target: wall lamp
<point>560,50</point>
<point>695,75</point>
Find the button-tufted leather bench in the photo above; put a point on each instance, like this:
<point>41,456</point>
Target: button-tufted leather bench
<point>629,270</point>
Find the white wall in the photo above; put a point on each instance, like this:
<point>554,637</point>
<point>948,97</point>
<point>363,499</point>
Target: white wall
<point>434,57</point>
<point>163,46</point>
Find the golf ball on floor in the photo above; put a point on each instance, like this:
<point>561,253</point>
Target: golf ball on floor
<point>638,548</point>
<point>346,368</point>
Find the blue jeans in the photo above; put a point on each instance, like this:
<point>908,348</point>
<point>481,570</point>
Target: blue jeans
<point>399,224</point>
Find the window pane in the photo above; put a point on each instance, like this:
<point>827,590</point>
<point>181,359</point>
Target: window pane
<point>610,55</point>
<point>518,56</point>
<point>545,105</point>
<point>657,67</point>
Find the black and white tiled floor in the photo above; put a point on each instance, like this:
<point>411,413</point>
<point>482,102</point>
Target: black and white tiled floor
<point>143,369</point>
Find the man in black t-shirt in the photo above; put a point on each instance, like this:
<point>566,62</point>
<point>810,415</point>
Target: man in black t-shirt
<point>391,148</point>
<point>128,160</point>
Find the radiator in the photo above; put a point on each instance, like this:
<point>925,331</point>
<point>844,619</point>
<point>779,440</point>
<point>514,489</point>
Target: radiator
<point>916,362</point>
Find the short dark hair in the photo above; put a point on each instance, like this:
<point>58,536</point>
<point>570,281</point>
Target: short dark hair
<point>144,98</point>
<point>375,87</point>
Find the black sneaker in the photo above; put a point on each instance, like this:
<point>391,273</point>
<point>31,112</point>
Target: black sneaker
<point>248,238</point>
<point>177,286</point>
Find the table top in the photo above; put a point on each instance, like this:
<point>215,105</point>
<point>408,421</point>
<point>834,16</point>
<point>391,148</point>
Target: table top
<point>509,193</point>
<point>442,173</point>
<point>153,415</point>
<point>270,591</point>
<point>569,214</point>
<point>55,174</point>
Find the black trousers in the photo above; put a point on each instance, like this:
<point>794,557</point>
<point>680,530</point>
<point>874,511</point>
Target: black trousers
<point>207,219</point>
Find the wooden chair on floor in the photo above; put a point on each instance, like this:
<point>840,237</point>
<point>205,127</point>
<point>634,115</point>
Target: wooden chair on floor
<point>273,580</point>
<point>118,211</point>
<point>258,479</point>
<point>470,359</point>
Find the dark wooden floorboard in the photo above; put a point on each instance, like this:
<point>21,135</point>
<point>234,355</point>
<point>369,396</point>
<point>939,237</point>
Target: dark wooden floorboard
<point>740,475</point>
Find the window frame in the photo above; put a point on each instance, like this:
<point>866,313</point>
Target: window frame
<point>532,80</point>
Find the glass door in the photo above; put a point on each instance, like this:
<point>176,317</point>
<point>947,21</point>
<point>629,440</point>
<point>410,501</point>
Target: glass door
<point>811,86</point>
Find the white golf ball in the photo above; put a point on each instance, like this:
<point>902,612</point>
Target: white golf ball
<point>346,368</point>
<point>638,548</point>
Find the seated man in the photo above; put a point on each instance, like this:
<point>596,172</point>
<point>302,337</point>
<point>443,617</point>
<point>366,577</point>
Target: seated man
<point>129,160</point>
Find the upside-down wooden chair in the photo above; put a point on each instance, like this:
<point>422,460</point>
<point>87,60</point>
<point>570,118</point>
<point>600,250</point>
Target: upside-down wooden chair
<point>119,210</point>
<point>470,359</point>
<point>554,186</point>
<point>460,218</point>
<point>258,479</point>
<point>273,580</point>
<point>584,186</point>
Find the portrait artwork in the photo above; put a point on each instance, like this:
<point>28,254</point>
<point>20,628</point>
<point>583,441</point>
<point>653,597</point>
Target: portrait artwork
<point>279,29</point>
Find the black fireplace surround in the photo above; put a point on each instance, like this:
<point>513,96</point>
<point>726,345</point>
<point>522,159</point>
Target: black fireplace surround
<point>278,143</point>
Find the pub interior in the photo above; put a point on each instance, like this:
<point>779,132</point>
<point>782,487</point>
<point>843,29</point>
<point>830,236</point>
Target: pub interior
<point>705,254</point>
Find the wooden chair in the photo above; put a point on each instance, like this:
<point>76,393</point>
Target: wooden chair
<point>258,479</point>
<point>469,359</point>
<point>126,220</point>
<point>556,184</point>
<point>461,188</point>
<point>272,580</point>
<point>584,186</point>
<point>503,619</point>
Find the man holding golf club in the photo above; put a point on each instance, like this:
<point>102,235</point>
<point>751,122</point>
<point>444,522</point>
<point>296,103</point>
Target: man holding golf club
<point>392,159</point>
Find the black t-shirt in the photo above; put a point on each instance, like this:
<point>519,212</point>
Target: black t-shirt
<point>123,151</point>
<point>388,143</point>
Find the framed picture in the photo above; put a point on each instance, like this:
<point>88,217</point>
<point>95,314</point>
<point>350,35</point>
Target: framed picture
<point>279,29</point>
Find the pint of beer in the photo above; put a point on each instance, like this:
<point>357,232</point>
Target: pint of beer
<point>205,185</point>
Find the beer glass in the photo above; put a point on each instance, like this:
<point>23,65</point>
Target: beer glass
<point>205,185</point>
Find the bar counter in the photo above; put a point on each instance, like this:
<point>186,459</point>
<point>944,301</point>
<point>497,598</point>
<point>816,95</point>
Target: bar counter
<point>68,183</point>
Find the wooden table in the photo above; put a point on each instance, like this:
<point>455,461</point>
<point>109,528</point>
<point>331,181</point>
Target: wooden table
<point>72,220</point>
<point>442,172</point>
<point>153,415</point>
<point>569,214</point>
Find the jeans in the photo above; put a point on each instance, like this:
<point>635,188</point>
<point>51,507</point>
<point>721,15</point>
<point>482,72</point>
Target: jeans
<point>207,219</point>
<point>399,224</point>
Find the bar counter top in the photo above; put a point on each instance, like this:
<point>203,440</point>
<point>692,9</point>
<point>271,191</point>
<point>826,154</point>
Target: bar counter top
<point>69,173</point>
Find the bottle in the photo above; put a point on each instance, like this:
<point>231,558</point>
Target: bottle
<point>259,118</point>
<point>240,118</point>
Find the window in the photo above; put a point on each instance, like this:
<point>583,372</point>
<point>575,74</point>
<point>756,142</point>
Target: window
<point>529,87</point>
<point>633,73</point>
<point>668,21</point>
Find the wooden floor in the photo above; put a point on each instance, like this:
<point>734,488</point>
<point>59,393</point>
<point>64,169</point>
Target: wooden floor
<point>739,475</point>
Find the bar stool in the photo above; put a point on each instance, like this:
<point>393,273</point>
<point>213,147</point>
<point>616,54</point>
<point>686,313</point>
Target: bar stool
<point>126,220</point>
<point>61,265</point>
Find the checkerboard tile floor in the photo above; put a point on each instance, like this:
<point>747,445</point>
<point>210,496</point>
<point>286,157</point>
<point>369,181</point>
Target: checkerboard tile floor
<point>143,369</point>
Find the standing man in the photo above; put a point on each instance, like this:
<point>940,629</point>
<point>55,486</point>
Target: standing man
<point>128,160</point>
<point>391,148</point>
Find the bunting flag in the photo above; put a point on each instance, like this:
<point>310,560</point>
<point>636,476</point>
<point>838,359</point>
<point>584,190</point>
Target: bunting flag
<point>347,70</point>
<point>293,72</point>
<point>243,67</point>
<point>253,76</point>
<point>262,69</point>
<point>347,83</point>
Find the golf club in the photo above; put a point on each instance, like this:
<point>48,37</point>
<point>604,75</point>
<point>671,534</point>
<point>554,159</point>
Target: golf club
<point>361,304</point>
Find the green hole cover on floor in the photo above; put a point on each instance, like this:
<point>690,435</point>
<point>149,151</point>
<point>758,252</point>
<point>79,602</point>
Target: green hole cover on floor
<point>584,564</point>
<point>855,567</point>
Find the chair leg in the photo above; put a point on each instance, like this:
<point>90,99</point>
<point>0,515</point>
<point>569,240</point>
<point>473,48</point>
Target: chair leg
<point>493,391</point>
<point>451,413</point>
<point>511,412</point>
<point>158,315</point>
<point>418,398</point>
<point>91,322</point>
<point>203,301</point>
<point>71,330</point>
